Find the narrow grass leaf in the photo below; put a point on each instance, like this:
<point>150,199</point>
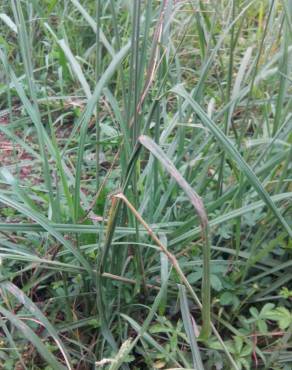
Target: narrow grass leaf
<point>184,307</point>
<point>228,146</point>
<point>200,210</point>
<point>147,337</point>
<point>36,312</point>
<point>93,25</point>
<point>86,116</point>
<point>8,21</point>
<point>41,220</point>
<point>33,338</point>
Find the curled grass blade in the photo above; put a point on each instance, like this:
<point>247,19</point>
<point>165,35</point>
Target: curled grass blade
<point>200,210</point>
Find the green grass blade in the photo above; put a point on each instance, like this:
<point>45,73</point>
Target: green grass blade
<point>228,146</point>
<point>93,25</point>
<point>200,210</point>
<point>41,220</point>
<point>36,312</point>
<point>73,62</point>
<point>33,338</point>
<point>85,119</point>
<point>184,307</point>
<point>9,22</point>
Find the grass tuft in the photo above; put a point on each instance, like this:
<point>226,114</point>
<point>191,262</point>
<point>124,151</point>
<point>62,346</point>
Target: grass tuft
<point>145,184</point>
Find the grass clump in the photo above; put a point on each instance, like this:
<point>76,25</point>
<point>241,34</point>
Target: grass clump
<point>145,184</point>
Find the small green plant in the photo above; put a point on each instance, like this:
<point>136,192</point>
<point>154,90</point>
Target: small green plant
<point>240,350</point>
<point>286,293</point>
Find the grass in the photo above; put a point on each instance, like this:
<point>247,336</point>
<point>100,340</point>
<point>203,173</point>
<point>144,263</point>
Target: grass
<point>145,184</point>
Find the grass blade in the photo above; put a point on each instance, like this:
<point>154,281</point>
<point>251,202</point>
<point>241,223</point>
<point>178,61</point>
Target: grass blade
<point>41,220</point>
<point>184,307</point>
<point>228,146</point>
<point>34,310</point>
<point>200,210</point>
<point>33,338</point>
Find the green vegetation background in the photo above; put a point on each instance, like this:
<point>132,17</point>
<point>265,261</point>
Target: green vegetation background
<point>145,184</point>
